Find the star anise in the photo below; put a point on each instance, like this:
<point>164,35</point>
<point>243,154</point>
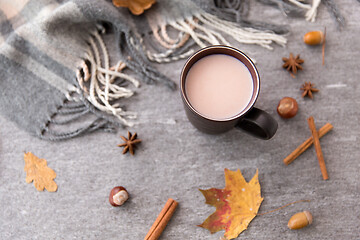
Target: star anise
<point>130,142</point>
<point>293,64</point>
<point>308,89</point>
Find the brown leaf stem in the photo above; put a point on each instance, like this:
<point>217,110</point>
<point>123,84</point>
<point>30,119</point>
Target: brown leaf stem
<point>323,48</point>
<point>277,209</point>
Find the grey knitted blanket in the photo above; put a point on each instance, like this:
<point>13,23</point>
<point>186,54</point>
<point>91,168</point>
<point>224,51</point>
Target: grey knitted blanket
<point>56,78</point>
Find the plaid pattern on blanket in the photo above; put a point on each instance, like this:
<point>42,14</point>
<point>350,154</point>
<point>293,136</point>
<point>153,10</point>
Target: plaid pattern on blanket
<point>56,79</point>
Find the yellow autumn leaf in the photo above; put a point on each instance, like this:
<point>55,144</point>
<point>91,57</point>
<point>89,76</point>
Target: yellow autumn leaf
<point>236,205</point>
<point>38,172</point>
<point>136,7</point>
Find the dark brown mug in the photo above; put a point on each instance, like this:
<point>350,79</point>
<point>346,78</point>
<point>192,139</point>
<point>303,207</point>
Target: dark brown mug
<point>252,120</point>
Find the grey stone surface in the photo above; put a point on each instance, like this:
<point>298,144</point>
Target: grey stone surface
<point>175,159</point>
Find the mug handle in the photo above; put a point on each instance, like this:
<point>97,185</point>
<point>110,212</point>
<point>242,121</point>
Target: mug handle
<point>258,123</point>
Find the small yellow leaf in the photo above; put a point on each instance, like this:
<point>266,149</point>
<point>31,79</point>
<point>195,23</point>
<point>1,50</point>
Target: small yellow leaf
<point>38,172</point>
<point>236,205</point>
<point>136,7</point>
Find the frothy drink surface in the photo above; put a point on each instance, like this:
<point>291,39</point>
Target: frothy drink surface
<point>219,86</point>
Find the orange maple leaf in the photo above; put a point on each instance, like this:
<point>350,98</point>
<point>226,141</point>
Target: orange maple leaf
<point>37,170</point>
<point>236,205</point>
<point>136,7</point>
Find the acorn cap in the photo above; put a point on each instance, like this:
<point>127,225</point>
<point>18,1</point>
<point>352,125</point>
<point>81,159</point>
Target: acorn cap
<point>309,217</point>
<point>300,220</point>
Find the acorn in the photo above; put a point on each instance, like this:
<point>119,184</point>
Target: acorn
<point>300,220</point>
<point>314,38</point>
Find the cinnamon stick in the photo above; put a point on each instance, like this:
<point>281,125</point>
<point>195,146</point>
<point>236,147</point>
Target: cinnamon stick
<point>305,145</point>
<point>323,48</point>
<point>319,153</point>
<point>161,221</point>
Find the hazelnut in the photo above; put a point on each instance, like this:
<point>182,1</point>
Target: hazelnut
<point>287,107</point>
<point>300,220</point>
<point>118,196</point>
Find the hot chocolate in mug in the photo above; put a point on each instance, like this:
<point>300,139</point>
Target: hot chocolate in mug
<point>219,86</point>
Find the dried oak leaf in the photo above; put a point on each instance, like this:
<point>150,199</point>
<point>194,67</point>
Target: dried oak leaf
<point>136,7</point>
<point>37,170</point>
<point>236,205</point>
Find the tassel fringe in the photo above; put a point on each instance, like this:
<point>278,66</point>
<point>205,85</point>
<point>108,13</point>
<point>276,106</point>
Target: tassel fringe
<point>205,29</point>
<point>68,113</point>
<point>311,13</point>
<point>102,90</point>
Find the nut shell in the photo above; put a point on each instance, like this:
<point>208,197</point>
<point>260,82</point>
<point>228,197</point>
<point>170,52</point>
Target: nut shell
<point>287,107</point>
<point>115,191</point>
<point>314,38</point>
<point>300,220</point>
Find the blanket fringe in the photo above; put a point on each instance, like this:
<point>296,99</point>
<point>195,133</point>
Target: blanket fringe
<point>238,10</point>
<point>102,90</point>
<point>286,7</point>
<point>205,29</point>
<point>311,13</point>
<point>311,10</point>
<point>99,123</point>
<point>68,113</point>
